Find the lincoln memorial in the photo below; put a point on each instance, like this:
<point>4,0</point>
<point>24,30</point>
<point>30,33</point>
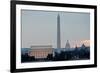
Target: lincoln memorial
<point>40,51</point>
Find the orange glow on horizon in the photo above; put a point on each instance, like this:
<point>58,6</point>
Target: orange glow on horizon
<point>79,43</point>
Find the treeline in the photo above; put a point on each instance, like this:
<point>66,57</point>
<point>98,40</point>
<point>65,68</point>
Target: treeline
<point>72,55</point>
<point>26,58</point>
<point>63,55</point>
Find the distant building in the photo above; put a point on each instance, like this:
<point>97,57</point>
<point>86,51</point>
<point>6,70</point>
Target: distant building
<point>83,46</point>
<point>67,45</point>
<point>40,51</point>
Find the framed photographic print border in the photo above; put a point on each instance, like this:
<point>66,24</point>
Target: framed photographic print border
<point>13,35</point>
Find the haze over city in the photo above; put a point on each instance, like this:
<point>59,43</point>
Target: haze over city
<point>40,28</point>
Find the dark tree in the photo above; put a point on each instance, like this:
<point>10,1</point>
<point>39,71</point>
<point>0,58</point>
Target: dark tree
<point>50,57</point>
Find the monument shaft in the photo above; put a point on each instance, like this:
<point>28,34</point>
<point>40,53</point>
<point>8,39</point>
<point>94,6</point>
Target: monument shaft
<point>58,32</point>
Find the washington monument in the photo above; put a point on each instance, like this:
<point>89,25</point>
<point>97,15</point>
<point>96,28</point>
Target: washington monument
<point>58,32</point>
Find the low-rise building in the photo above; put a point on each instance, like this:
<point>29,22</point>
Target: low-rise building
<point>40,51</point>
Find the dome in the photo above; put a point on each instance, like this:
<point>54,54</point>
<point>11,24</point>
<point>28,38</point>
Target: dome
<point>67,44</point>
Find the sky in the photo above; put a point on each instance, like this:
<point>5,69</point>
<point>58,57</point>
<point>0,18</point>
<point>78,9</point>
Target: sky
<point>40,28</point>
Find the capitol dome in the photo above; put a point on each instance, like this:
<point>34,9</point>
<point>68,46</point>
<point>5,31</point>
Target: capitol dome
<point>67,45</point>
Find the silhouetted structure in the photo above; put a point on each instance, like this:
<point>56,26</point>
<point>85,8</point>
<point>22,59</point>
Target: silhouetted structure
<point>58,32</point>
<point>67,45</point>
